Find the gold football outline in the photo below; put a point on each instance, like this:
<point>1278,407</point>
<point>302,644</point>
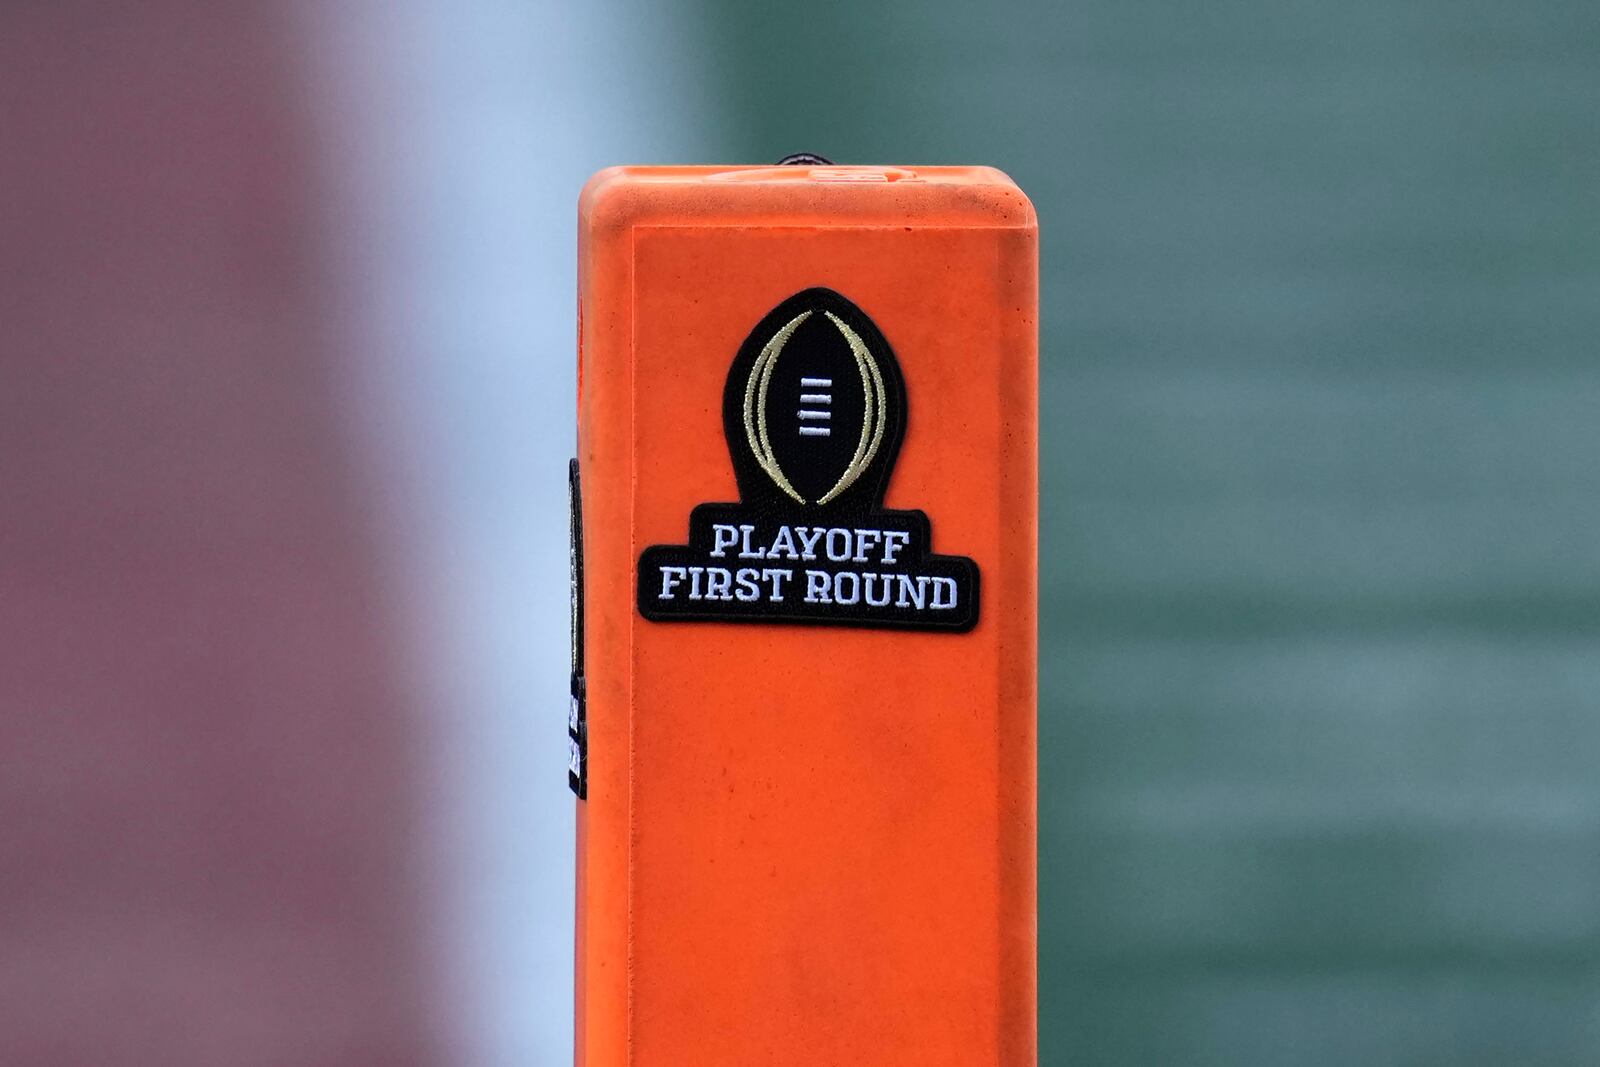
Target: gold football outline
<point>873,421</point>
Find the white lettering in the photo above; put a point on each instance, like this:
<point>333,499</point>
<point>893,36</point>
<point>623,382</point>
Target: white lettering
<point>777,576</point>
<point>808,545</point>
<point>783,545</point>
<point>891,539</point>
<point>866,540</point>
<point>671,577</point>
<point>912,591</point>
<point>745,551</point>
<point>722,538</point>
<point>747,578</point>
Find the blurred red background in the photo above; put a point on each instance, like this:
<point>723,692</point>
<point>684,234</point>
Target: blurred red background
<point>209,773</point>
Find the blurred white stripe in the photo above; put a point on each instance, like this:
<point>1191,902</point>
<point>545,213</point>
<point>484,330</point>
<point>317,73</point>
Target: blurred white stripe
<point>461,134</point>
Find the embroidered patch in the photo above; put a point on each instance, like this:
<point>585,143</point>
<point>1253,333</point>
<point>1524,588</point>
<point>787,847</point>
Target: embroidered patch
<point>814,411</point>
<point>577,709</point>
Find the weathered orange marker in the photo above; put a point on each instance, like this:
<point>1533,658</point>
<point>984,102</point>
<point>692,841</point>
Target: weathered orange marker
<point>805,539</point>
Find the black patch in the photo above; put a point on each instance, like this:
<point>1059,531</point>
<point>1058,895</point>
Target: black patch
<point>577,710</point>
<point>814,411</point>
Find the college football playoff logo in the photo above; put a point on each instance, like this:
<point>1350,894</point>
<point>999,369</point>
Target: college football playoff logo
<point>814,411</point>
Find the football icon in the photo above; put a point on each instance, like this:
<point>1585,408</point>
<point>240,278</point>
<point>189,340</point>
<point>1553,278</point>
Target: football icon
<point>814,405</point>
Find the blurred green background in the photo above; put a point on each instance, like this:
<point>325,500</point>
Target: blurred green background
<point>1321,408</point>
